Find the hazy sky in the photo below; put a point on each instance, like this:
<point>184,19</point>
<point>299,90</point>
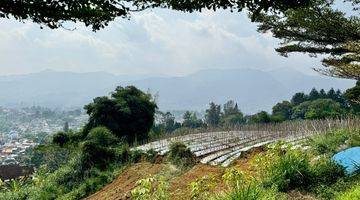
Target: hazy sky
<point>156,42</point>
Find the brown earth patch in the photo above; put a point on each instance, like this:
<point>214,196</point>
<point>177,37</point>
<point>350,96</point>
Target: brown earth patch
<point>120,188</point>
<point>180,186</point>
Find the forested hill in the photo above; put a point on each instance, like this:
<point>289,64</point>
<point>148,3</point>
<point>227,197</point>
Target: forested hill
<point>254,90</point>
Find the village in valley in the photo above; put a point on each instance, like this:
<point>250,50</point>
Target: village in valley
<point>24,128</point>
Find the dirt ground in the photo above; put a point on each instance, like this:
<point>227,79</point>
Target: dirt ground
<point>120,188</point>
<point>179,181</point>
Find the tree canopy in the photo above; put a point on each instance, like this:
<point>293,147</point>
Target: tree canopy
<point>128,113</point>
<point>98,14</point>
<point>319,29</point>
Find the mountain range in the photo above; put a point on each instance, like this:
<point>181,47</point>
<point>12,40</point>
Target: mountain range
<point>253,90</point>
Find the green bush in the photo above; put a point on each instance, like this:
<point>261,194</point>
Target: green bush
<point>251,192</point>
<point>353,193</point>
<point>102,136</point>
<point>94,155</point>
<point>61,138</point>
<point>291,170</point>
<point>354,139</point>
<point>181,155</point>
<point>329,142</point>
<point>326,172</point>
<point>151,155</point>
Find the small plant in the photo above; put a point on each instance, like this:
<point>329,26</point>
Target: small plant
<point>150,188</point>
<point>181,155</point>
<point>250,192</point>
<point>233,177</point>
<point>202,187</point>
<point>151,155</point>
<point>290,170</point>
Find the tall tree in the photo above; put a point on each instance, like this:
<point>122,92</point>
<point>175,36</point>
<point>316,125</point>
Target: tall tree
<point>190,120</point>
<point>299,98</point>
<point>213,114</point>
<point>98,14</point>
<point>314,94</point>
<point>230,108</point>
<point>319,29</point>
<point>128,113</point>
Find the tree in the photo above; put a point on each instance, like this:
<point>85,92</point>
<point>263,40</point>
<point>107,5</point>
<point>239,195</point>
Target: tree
<point>319,29</point>
<point>331,94</point>
<point>128,113</point>
<point>230,108</point>
<point>98,14</point>
<point>66,127</point>
<point>212,116</point>
<point>322,94</point>
<point>168,123</point>
<point>324,108</point>
<point>299,98</point>
<point>232,116</point>
<point>190,120</point>
<point>314,94</point>
<point>260,117</point>
<point>318,109</point>
<point>233,120</point>
<point>353,97</point>
<point>282,111</point>
<point>61,138</point>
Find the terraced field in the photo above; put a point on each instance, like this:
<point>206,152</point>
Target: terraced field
<point>223,147</point>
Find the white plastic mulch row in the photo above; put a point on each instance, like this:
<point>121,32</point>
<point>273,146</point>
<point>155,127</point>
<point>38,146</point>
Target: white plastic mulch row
<point>221,147</point>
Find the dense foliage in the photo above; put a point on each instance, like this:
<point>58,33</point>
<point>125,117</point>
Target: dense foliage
<point>98,14</point>
<point>128,113</point>
<point>319,29</point>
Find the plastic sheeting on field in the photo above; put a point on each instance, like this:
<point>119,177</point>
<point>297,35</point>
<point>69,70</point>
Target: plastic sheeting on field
<point>349,159</point>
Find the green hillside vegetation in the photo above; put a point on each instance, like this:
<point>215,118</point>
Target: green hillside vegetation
<point>316,105</point>
<point>77,164</point>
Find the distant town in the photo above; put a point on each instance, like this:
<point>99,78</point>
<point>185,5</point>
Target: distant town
<point>23,128</point>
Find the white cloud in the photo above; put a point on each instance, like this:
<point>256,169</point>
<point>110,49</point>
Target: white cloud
<point>152,42</point>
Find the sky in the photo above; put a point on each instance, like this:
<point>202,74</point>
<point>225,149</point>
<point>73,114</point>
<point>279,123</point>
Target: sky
<point>153,42</point>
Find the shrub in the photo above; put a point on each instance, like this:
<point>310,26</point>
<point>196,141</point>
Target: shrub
<point>123,153</point>
<point>251,191</point>
<point>329,142</point>
<point>181,155</point>
<point>327,172</point>
<point>94,155</point>
<point>61,138</point>
<point>101,136</point>
<point>136,156</point>
<point>353,193</point>
<point>150,188</point>
<point>151,155</point>
<point>289,171</point>
<point>354,139</point>
<point>202,187</point>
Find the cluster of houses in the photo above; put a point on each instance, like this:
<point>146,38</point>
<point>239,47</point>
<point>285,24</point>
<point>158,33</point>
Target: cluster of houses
<point>13,149</point>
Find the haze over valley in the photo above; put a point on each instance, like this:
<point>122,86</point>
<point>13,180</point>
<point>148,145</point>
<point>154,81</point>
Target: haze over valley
<point>252,89</point>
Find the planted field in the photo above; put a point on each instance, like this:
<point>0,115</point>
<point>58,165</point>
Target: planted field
<point>223,147</point>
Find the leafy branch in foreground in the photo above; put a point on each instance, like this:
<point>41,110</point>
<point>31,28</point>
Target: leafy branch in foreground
<point>319,29</point>
<point>98,14</point>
